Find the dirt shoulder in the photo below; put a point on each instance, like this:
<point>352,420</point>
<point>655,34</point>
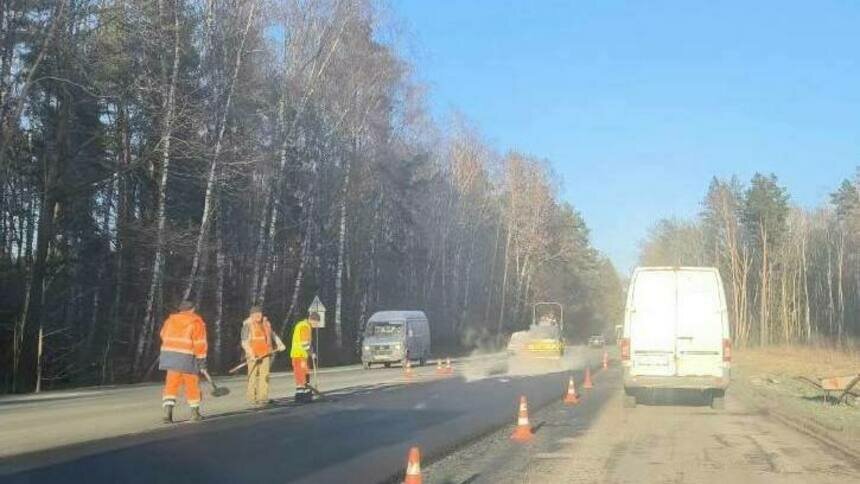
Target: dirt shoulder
<point>766,378</point>
<point>688,442</point>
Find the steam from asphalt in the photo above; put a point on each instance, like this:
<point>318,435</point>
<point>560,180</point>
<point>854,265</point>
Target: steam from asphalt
<point>489,359</point>
<point>574,358</point>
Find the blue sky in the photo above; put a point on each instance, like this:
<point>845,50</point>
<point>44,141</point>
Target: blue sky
<point>638,104</point>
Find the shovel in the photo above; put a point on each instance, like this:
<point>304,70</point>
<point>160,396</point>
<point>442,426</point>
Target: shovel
<point>257,360</point>
<point>279,347</point>
<point>245,363</point>
<point>216,390</point>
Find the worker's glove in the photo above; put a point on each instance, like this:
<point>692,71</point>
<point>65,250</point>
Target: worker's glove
<point>250,359</point>
<point>281,347</point>
<point>201,364</point>
<point>314,356</point>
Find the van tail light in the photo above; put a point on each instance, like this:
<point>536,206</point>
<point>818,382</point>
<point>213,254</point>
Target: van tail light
<point>727,350</point>
<point>625,348</point>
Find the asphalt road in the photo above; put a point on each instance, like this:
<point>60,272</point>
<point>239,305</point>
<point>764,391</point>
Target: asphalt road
<point>51,419</point>
<point>360,433</point>
<point>677,440</point>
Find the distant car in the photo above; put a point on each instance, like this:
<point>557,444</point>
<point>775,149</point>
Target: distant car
<point>394,337</point>
<point>596,341</point>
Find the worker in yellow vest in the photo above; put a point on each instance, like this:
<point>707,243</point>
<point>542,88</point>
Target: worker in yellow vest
<point>299,353</point>
<point>260,344</point>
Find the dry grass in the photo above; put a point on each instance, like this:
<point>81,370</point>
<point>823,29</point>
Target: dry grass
<point>809,361</point>
<point>769,375</point>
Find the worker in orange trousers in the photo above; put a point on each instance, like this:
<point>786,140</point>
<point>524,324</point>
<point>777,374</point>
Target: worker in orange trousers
<point>299,353</point>
<point>183,355</point>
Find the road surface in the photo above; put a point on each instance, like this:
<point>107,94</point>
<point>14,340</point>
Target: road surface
<point>361,433</point>
<point>672,441</point>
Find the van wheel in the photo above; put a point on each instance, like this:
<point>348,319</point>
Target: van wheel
<point>366,366</point>
<point>629,401</point>
<point>422,361</point>
<point>388,365</point>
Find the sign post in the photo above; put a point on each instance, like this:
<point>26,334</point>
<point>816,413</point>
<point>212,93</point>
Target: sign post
<point>316,307</point>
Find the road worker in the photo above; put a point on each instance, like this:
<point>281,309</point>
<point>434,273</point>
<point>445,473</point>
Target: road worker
<point>260,343</point>
<point>299,353</point>
<point>183,355</point>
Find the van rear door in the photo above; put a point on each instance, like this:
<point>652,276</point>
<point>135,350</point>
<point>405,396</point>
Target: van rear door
<point>700,323</point>
<point>652,324</point>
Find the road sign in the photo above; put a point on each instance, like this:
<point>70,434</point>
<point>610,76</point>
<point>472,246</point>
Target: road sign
<point>317,307</point>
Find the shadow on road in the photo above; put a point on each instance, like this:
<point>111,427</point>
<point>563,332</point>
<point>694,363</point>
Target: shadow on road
<point>666,397</point>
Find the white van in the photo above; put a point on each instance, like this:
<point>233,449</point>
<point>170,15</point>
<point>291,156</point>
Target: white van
<point>395,336</point>
<point>676,333</point>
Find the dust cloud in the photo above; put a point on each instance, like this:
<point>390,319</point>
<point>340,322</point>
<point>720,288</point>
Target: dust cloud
<point>490,359</point>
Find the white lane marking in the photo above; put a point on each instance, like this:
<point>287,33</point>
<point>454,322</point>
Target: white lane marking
<point>52,396</point>
<point>420,406</point>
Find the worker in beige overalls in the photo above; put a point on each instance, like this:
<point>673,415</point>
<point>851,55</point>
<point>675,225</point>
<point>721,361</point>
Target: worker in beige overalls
<point>260,343</point>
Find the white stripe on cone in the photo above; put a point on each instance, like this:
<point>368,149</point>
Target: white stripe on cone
<point>523,417</point>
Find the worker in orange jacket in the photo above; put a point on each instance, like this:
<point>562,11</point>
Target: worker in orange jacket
<point>299,353</point>
<point>183,355</point>
<point>260,343</point>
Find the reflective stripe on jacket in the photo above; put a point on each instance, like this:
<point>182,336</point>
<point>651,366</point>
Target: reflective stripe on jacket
<point>301,340</point>
<point>259,336</point>
<point>183,342</point>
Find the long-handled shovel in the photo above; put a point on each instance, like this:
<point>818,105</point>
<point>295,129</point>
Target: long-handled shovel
<point>216,390</point>
<point>313,390</point>
<point>279,347</point>
<point>313,387</point>
<point>256,361</point>
<point>245,363</point>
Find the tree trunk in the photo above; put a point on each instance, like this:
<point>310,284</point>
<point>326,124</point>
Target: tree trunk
<point>491,282</point>
<point>805,275</point>
<point>217,341</point>
<point>763,295</point>
<point>265,219</point>
<point>840,292</point>
<point>154,294</point>
<point>504,282</point>
<point>213,165</point>
<point>122,227</point>
<point>258,293</point>
<point>338,282</point>
<point>831,313</point>
<point>300,274</point>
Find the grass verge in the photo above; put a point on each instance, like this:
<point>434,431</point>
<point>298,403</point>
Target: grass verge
<point>767,376</point>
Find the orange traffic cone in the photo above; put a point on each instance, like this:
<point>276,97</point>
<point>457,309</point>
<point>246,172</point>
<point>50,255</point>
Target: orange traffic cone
<point>570,398</point>
<point>587,382</point>
<point>439,369</point>
<point>449,370</point>
<point>605,360</point>
<point>413,467</point>
<point>407,368</point>
<point>523,431</point>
